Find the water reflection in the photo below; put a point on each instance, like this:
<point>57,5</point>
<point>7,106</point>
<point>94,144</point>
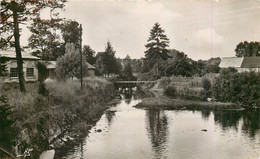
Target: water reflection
<point>109,115</point>
<point>157,127</point>
<point>251,122</point>
<point>128,96</point>
<point>231,118</point>
<point>228,118</point>
<point>128,132</point>
<point>205,114</point>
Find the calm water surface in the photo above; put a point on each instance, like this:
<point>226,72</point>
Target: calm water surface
<point>133,133</point>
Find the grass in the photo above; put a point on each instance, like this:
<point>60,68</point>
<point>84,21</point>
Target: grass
<point>39,118</point>
<point>164,102</point>
<point>184,93</point>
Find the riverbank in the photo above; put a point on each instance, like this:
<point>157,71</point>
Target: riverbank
<point>167,103</point>
<point>48,121</point>
<point>188,94</point>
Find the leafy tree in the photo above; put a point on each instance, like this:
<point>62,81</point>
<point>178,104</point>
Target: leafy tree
<point>42,90</point>
<point>71,32</point>
<point>99,62</point>
<point>45,39</point>
<point>68,65</point>
<point>242,88</point>
<point>3,68</point>
<point>42,71</point>
<point>181,66</point>
<point>245,49</point>
<point>157,46</point>
<point>14,13</point>
<point>90,54</point>
<point>127,73</point>
<point>107,62</point>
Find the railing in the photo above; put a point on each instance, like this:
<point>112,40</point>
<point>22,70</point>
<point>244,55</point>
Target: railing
<point>133,82</point>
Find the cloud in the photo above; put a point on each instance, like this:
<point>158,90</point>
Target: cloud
<point>209,36</point>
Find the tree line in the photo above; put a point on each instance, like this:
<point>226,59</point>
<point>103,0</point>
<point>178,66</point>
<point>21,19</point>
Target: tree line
<point>52,38</point>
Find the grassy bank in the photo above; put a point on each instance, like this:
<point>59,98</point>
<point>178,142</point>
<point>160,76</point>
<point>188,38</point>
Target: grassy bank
<point>183,93</point>
<point>47,120</point>
<point>164,102</point>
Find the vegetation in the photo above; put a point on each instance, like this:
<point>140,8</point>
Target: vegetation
<point>206,87</point>
<point>106,62</point>
<point>246,49</point>
<point>42,71</point>
<point>45,40</point>
<point>156,47</point>
<point>19,11</point>
<point>3,68</point>
<point>89,54</point>
<point>242,88</point>
<point>68,65</point>
<point>6,121</point>
<point>71,32</point>
<point>170,91</point>
<point>40,120</point>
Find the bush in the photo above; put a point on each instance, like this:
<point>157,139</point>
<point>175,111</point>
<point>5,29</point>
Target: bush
<point>242,88</point>
<point>206,84</point>
<point>42,90</point>
<point>170,91</point>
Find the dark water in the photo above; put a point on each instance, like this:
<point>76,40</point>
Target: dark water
<point>133,133</point>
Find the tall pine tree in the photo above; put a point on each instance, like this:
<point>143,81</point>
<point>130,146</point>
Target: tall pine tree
<point>156,48</point>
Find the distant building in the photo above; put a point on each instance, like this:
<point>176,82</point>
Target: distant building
<point>51,65</point>
<point>242,64</point>
<point>91,70</point>
<point>29,66</point>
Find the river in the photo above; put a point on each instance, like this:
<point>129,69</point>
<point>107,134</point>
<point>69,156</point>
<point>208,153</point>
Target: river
<point>124,132</point>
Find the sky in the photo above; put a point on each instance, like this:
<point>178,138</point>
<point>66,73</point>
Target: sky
<point>200,28</point>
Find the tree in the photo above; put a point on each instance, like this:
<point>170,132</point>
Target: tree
<point>181,66</point>
<point>68,65</point>
<point>128,73</point>
<point>246,49</point>
<point>157,46</point>
<point>45,40</point>
<point>71,32</point>
<point>14,13</point>
<point>107,62</point>
<point>3,67</point>
<point>89,54</point>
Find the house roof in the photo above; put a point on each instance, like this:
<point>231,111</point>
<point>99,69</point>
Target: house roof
<point>251,62</point>
<point>11,54</point>
<point>52,65</point>
<point>90,66</point>
<point>231,62</point>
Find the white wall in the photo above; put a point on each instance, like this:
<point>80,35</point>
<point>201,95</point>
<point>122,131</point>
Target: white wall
<point>26,64</point>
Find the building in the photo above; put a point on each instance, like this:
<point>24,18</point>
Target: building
<point>29,66</point>
<point>91,70</point>
<point>51,65</point>
<point>242,64</point>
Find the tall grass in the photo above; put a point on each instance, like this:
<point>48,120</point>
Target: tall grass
<point>39,118</point>
<point>185,87</point>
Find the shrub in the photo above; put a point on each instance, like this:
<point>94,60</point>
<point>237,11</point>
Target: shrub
<point>206,84</point>
<point>42,89</point>
<point>242,88</point>
<point>170,91</point>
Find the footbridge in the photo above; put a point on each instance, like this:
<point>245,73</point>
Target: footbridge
<point>134,82</point>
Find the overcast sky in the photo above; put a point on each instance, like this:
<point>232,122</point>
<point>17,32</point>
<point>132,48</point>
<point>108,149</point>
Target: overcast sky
<point>200,28</point>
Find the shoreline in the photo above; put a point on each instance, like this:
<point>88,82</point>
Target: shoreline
<point>161,101</point>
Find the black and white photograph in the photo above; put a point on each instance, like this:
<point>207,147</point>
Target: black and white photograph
<point>130,79</point>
